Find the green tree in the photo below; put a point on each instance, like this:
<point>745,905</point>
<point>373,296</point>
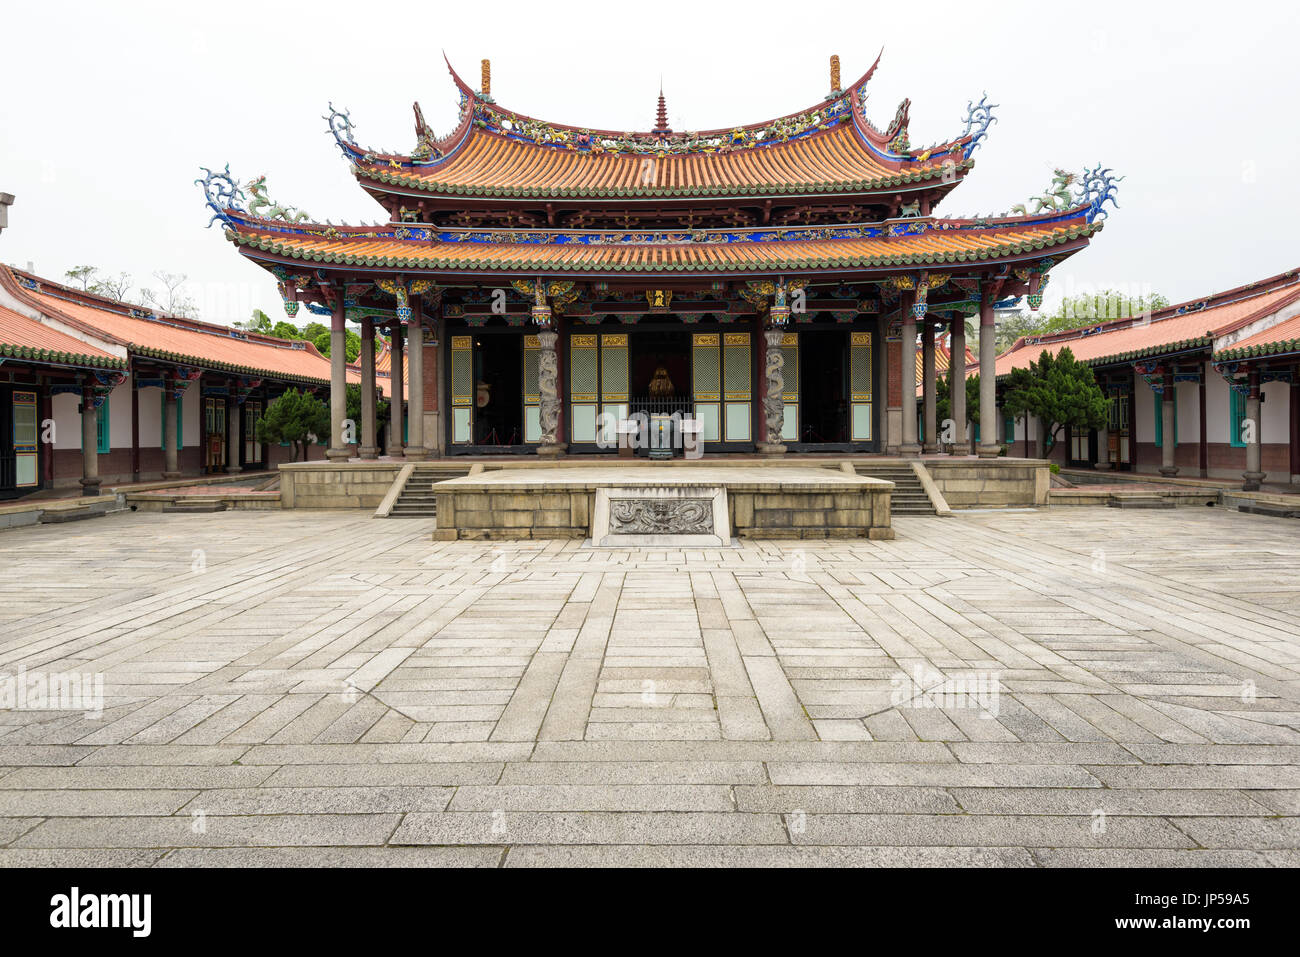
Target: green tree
<point>1076,312</point>
<point>259,322</point>
<point>286,330</point>
<point>313,330</point>
<point>354,407</point>
<point>351,341</point>
<point>295,417</point>
<point>1060,391</point>
<point>85,276</point>
<point>943,402</point>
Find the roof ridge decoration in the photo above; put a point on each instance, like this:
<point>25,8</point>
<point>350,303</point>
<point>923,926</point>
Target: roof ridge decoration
<point>1096,188</point>
<point>223,195</point>
<point>979,117</point>
<point>340,122</point>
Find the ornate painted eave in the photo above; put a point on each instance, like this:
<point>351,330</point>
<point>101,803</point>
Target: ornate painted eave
<point>866,247</point>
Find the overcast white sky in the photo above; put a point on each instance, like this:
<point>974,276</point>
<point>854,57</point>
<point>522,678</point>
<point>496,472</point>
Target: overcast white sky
<point>108,110</point>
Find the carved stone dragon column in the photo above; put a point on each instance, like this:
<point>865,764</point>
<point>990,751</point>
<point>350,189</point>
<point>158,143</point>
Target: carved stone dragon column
<point>778,315</point>
<point>548,375</point>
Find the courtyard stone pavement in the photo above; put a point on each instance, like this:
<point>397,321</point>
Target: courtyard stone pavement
<point>327,688</point>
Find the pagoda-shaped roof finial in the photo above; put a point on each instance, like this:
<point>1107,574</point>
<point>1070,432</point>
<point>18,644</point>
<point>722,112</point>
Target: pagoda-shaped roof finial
<point>661,115</point>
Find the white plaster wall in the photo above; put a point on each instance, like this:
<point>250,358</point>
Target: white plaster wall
<point>150,413</point>
<point>119,416</point>
<point>1189,413</point>
<point>1275,411</point>
<point>67,421</point>
<point>1217,406</point>
<point>190,416</point>
<point>1143,421</point>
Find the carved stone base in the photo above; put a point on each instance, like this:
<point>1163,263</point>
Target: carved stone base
<point>1168,471</point>
<point>171,475</point>
<point>368,452</point>
<point>673,516</point>
<point>770,448</point>
<point>1252,481</point>
<point>989,451</point>
<point>552,451</point>
<point>910,451</point>
<point>414,453</point>
<point>1101,466</point>
<point>338,455</point>
<point>89,486</point>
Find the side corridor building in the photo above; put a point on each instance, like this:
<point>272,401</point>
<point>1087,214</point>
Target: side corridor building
<point>1189,387</point>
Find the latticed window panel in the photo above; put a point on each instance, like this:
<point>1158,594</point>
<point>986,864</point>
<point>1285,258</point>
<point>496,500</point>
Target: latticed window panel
<point>532,354</point>
<point>736,365</point>
<point>614,367</point>
<point>860,367</point>
<point>790,350</point>
<point>705,374</point>
<point>584,383</point>
<point>462,370</point>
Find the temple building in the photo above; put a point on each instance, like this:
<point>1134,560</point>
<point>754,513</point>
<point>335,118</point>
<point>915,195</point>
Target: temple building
<point>1208,388</point>
<point>541,281</point>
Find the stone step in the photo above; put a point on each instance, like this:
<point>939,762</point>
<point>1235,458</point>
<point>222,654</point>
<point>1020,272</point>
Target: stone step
<point>55,516</point>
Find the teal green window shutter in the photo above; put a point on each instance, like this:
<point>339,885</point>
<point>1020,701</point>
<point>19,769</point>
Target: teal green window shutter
<point>1236,418</point>
<point>102,429</point>
<point>1009,428</point>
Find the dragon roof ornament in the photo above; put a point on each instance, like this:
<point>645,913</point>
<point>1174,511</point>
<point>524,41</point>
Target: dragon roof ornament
<point>223,195</point>
<point>262,206</point>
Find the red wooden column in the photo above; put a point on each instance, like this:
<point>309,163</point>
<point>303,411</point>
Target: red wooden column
<point>135,425</point>
<point>911,446</point>
<point>1295,424</point>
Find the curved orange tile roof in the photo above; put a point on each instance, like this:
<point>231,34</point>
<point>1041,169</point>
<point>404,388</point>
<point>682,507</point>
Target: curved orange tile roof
<point>177,339</point>
<point>830,161</point>
<point>828,147</point>
<point>1166,331</point>
<point>1283,337</point>
<point>25,338</point>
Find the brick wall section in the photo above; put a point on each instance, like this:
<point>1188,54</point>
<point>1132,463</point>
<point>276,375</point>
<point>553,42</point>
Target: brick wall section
<point>431,355</point>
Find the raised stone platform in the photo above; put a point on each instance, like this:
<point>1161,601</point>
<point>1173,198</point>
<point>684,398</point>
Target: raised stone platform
<point>565,502</point>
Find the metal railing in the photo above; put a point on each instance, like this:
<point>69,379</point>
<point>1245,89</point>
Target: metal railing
<point>661,405</point>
